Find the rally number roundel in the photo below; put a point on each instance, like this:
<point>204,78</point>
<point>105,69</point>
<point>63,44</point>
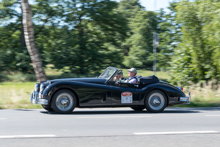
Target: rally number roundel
<point>126,97</point>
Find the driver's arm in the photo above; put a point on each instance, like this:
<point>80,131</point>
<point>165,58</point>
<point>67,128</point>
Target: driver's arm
<point>133,81</point>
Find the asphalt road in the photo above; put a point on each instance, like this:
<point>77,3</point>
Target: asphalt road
<point>175,127</point>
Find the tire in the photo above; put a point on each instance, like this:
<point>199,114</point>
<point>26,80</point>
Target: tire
<point>47,107</point>
<point>155,101</point>
<point>138,108</point>
<point>64,101</point>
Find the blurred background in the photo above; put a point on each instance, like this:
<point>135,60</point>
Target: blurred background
<point>80,38</point>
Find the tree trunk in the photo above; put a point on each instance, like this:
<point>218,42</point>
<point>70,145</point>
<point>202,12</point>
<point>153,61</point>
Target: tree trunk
<point>29,40</point>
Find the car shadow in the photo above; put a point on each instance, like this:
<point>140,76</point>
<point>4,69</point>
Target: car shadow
<point>125,112</point>
<point>24,109</point>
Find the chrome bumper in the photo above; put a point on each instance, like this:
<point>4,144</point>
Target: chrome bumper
<point>36,100</point>
<point>186,100</point>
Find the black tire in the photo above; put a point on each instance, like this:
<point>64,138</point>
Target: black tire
<point>155,101</point>
<point>64,101</point>
<point>138,108</point>
<point>47,107</point>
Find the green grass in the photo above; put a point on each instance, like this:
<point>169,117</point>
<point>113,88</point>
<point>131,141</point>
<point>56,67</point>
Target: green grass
<point>16,95</point>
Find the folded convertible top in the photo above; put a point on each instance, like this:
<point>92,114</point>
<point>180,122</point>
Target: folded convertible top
<point>149,80</point>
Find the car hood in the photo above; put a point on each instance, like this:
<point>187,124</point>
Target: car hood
<point>86,80</point>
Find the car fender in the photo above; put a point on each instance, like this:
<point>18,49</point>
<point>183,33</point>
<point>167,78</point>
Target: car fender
<point>170,91</point>
<point>50,90</point>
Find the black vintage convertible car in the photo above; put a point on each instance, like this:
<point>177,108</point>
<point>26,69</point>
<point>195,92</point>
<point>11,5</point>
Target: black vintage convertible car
<point>63,95</point>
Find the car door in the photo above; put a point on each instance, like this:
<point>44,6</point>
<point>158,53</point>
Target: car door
<point>95,95</point>
<point>125,94</point>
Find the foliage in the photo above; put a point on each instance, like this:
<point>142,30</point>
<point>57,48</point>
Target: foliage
<point>13,53</point>
<point>82,37</point>
<point>197,56</point>
<point>141,40</point>
<point>138,45</point>
<point>169,36</point>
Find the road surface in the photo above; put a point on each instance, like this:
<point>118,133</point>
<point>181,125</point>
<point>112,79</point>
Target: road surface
<point>107,127</point>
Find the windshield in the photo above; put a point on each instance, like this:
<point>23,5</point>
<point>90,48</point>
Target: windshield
<point>108,73</point>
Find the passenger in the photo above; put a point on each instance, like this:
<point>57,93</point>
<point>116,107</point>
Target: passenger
<point>132,76</point>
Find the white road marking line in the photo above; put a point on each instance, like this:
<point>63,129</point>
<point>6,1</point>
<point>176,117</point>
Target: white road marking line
<point>166,133</point>
<point>2,118</point>
<point>112,116</point>
<point>212,115</point>
<point>27,136</point>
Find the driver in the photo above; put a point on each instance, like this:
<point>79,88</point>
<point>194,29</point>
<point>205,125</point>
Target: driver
<point>119,76</point>
<point>132,76</point>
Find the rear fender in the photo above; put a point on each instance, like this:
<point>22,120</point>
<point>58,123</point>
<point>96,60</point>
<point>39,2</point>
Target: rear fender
<point>170,91</point>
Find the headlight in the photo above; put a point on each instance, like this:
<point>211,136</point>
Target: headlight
<point>36,88</point>
<point>41,87</point>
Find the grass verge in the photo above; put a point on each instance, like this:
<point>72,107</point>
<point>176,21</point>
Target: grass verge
<point>16,95</point>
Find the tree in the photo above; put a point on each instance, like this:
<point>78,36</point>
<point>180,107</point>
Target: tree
<point>170,36</point>
<point>197,56</point>
<point>141,40</point>
<point>128,9</point>
<point>13,53</point>
<point>90,36</point>
<point>29,39</point>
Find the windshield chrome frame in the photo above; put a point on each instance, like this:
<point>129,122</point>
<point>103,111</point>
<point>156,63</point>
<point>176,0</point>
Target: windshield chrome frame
<point>112,73</point>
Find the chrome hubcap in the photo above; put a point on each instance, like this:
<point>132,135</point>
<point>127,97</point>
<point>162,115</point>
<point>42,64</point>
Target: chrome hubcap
<point>64,101</point>
<point>156,101</point>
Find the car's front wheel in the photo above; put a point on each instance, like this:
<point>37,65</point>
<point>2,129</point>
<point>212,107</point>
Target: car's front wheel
<point>155,101</point>
<point>64,101</point>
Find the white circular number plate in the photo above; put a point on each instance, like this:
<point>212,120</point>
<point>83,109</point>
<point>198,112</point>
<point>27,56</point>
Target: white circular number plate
<point>126,97</point>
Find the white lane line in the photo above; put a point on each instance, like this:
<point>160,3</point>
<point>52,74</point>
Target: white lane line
<point>27,136</point>
<point>166,133</point>
<point>2,118</point>
<point>113,116</point>
<point>212,115</point>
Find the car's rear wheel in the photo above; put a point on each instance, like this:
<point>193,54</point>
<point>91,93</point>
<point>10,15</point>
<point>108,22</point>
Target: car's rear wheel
<point>64,101</point>
<point>155,101</point>
<point>138,108</point>
<point>47,107</point>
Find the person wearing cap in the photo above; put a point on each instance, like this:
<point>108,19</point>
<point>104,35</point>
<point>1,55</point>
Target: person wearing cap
<point>132,76</point>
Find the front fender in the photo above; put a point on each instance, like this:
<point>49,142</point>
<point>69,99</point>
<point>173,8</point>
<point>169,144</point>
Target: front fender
<point>74,86</point>
<point>52,88</point>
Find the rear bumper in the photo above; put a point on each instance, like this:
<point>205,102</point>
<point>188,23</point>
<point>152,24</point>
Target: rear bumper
<point>36,100</point>
<point>186,100</point>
